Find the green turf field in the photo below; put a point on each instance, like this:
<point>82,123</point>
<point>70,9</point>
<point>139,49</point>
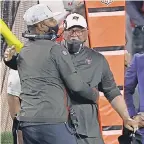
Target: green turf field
<point>6,138</point>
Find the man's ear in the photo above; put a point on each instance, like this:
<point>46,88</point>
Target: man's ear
<point>85,34</point>
<point>86,43</point>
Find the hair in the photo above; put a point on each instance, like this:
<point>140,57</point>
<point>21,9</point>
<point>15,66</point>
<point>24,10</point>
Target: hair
<point>32,28</point>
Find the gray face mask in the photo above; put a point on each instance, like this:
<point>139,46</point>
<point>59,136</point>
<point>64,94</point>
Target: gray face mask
<point>74,46</point>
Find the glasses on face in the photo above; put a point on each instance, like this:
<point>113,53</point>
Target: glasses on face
<point>77,32</point>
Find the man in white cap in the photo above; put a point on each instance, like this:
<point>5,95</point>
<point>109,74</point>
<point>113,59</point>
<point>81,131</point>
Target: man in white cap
<point>95,70</point>
<point>44,67</point>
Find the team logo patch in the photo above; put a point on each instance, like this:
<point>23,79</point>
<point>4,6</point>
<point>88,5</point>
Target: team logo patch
<point>88,61</point>
<point>75,18</point>
<point>107,2</point>
<point>64,52</point>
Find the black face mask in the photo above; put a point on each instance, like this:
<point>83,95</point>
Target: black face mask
<point>74,46</point>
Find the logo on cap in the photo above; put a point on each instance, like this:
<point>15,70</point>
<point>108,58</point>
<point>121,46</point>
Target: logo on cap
<point>75,18</point>
<point>88,61</point>
<point>107,2</point>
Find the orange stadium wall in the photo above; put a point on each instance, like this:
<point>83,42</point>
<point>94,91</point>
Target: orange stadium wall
<point>106,24</point>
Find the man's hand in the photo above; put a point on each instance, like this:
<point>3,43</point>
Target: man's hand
<point>96,92</point>
<point>131,124</point>
<point>127,58</point>
<point>9,52</point>
<point>119,105</point>
<point>140,120</point>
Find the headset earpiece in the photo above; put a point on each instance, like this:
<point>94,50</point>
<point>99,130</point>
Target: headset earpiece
<point>65,24</point>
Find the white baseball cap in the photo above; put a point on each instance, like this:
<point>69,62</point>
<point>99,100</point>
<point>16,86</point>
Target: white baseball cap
<point>38,13</point>
<point>75,20</point>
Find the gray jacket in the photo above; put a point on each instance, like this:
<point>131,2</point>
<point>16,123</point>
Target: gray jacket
<point>94,69</point>
<point>43,66</point>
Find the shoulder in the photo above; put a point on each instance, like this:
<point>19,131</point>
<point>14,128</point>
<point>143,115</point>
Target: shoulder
<point>93,52</point>
<point>58,49</point>
<point>138,57</point>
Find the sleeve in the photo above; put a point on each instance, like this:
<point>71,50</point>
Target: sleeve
<point>13,83</point>
<point>12,63</point>
<point>108,85</point>
<point>70,76</point>
<point>130,85</point>
<point>134,13</point>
